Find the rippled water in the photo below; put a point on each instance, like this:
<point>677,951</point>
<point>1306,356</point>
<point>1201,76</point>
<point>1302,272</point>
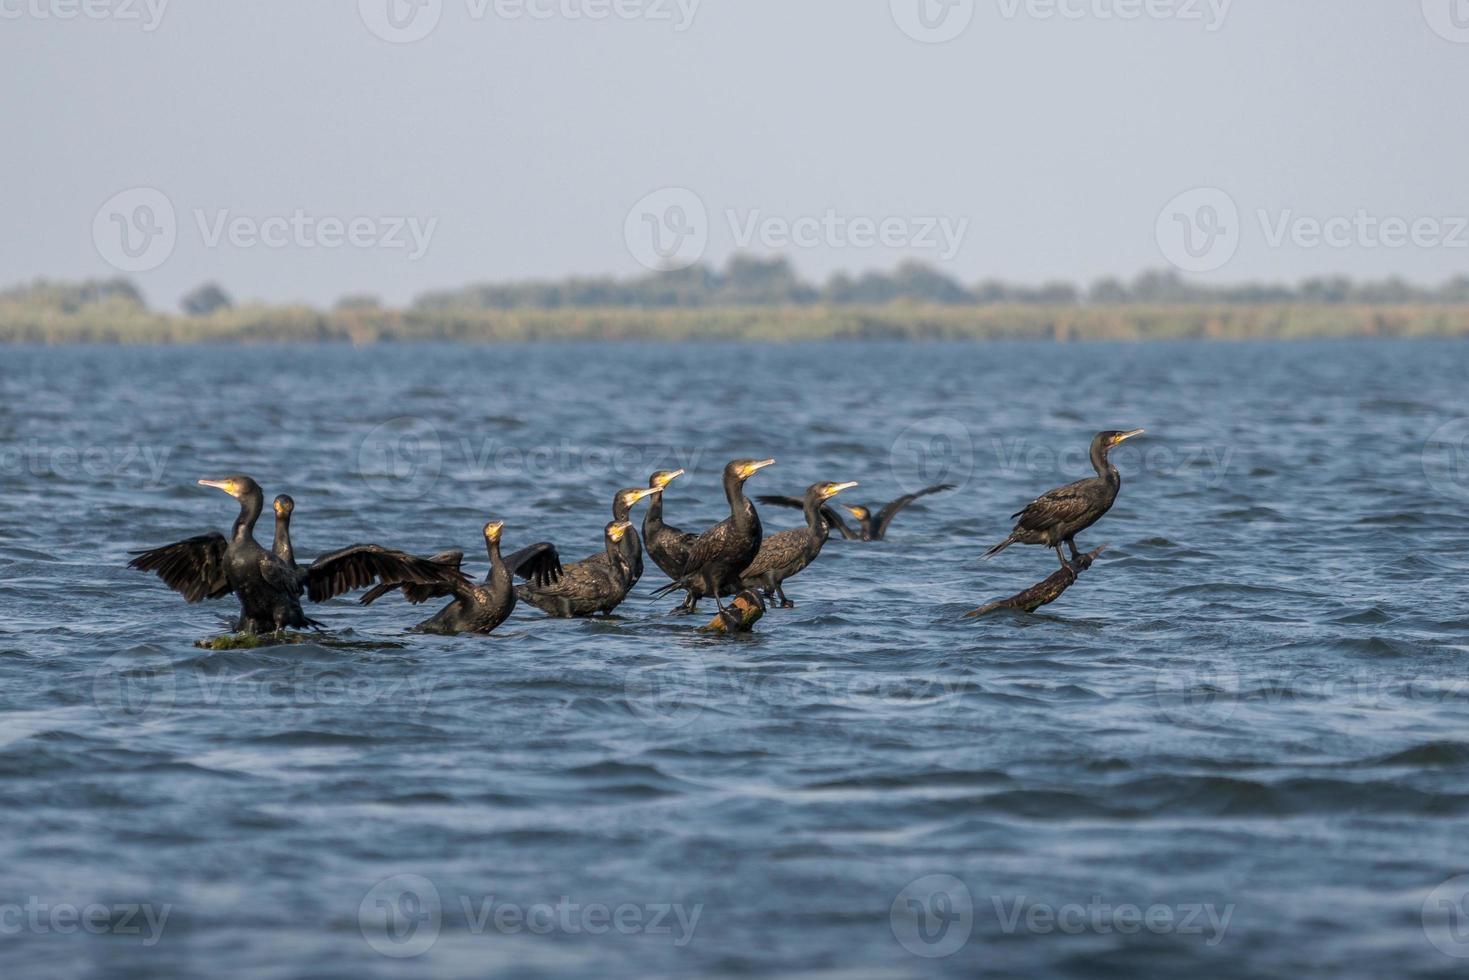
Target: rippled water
<point>1236,747</point>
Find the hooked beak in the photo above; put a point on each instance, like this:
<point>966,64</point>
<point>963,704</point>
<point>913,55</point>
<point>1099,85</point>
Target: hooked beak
<point>646,493</point>
<point>669,478</point>
<point>1128,435</point>
<point>493,529</point>
<point>837,488</point>
<point>618,530</point>
<point>228,486</point>
<point>754,468</point>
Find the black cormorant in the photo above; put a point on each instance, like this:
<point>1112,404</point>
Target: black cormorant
<point>720,554</point>
<point>667,546</point>
<point>1060,515</point>
<point>622,505</point>
<point>479,608</point>
<point>869,527</point>
<point>592,585</point>
<point>788,552</point>
<point>211,566</point>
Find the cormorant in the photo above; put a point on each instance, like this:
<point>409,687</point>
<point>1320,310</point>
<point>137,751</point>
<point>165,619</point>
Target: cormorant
<point>1060,515</point>
<point>281,545</point>
<point>667,546</point>
<point>595,584</point>
<point>788,552</point>
<point>720,554</point>
<point>479,608</point>
<point>869,528</point>
<point>211,566</point>
<point>622,505</point>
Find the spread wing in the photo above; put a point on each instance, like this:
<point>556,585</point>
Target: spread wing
<point>360,565</point>
<point>776,500</point>
<point>1060,506</point>
<point>886,515</point>
<point>421,593</point>
<point>539,563</point>
<point>193,567</point>
<point>833,519</point>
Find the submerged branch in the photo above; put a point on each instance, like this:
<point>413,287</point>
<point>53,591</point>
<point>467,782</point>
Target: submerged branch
<point>1042,593</point>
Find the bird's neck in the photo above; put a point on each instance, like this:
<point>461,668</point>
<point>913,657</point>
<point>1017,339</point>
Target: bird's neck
<point>250,506</point>
<point>1104,466</point>
<point>282,543</point>
<point>654,516</point>
<point>739,508</point>
<point>814,520</point>
<point>499,571</point>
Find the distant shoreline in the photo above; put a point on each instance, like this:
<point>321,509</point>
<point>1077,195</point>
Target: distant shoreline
<point>768,324</point>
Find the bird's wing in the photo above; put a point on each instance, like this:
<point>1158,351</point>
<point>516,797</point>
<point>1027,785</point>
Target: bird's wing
<point>776,551</point>
<point>1058,506</point>
<point>193,567</point>
<point>775,500</point>
<point>539,563</point>
<point>707,546</point>
<point>835,522</point>
<point>423,593</point>
<point>281,575</point>
<point>886,515</point>
<point>360,565</point>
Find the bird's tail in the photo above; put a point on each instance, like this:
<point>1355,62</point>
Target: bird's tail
<point>673,586</point>
<point>998,548</point>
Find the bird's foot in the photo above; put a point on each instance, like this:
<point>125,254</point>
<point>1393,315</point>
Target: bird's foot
<point>1080,563</point>
<point>787,604</point>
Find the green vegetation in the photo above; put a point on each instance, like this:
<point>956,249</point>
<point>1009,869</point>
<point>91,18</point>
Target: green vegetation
<point>754,300</point>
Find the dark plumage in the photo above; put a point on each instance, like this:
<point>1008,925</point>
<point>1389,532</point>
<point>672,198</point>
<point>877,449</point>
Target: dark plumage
<point>592,585</point>
<point>869,527</point>
<point>479,608</point>
<point>622,505</point>
<point>1059,515</point>
<point>268,585</point>
<point>787,553</point>
<point>667,546</point>
<point>720,554</point>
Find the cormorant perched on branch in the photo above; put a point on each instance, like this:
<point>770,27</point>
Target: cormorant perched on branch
<point>595,584</point>
<point>720,554</point>
<point>667,546</point>
<point>269,587</point>
<point>1060,515</point>
<point>787,553</point>
<point>479,608</point>
<point>869,528</point>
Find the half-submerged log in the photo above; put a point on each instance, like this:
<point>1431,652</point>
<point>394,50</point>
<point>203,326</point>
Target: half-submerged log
<point>1042,593</point>
<point>740,616</point>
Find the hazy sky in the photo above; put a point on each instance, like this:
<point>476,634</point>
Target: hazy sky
<point>1045,140</point>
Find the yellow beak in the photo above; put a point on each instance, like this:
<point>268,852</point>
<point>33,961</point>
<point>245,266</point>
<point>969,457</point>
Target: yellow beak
<point>835,489</point>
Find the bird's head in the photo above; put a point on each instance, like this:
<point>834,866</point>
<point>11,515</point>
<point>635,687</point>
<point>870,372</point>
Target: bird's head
<point>284,505</point>
<point>741,470</point>
<point>237,486</point>
<point>825,491</point>
<point>857,511</point>
<point>493,530</point>
<point>624,500</point>
<point>1114,437</point>
<point>617,530</point>
<point>663,478</point>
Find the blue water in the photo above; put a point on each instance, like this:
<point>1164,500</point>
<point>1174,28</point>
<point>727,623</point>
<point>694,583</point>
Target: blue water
<point>1237,747</point>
